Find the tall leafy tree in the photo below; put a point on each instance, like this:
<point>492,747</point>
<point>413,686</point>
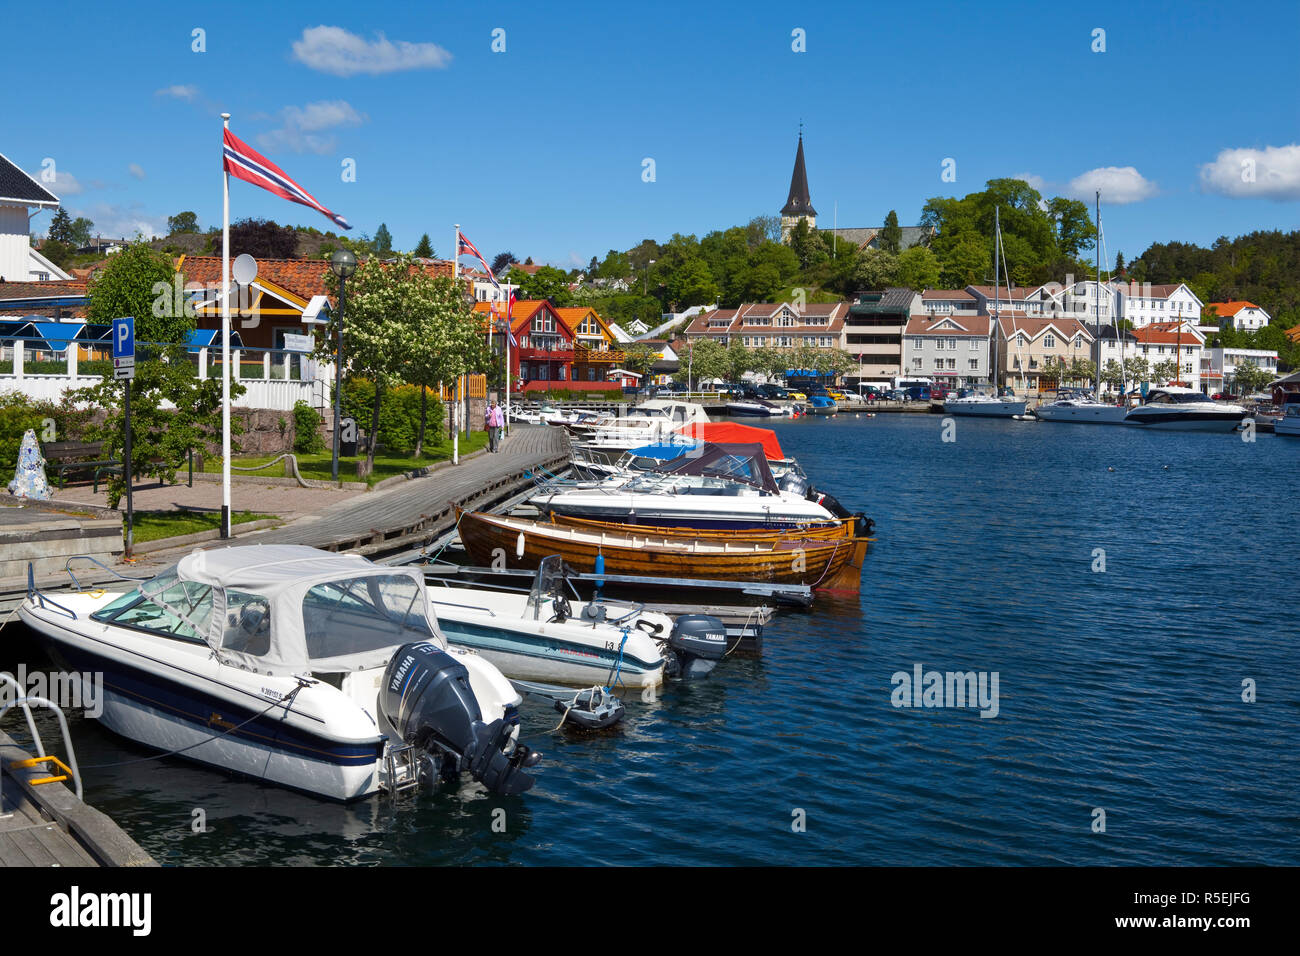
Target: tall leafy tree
<point>182,222</point>
<point>172,410</point>
<point>891,236</point>
<point>918,269</point>
<point>263,239</point>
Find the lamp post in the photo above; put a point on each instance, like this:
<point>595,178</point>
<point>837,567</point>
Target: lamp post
<point>343,264</point>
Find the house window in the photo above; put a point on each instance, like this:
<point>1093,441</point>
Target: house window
<point>974,364</point>
<point>952,364</point>
<point>1020,340</point>
<point>938,344</point>
<point>938,363</point>
<point>916,343</point>
<point>974,345</point>
<point>916,364</point>
<point>952,344</point>
<point>1049,342</point>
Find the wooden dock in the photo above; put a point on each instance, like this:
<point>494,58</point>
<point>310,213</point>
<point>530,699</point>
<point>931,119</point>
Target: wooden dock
<point>47,825</point>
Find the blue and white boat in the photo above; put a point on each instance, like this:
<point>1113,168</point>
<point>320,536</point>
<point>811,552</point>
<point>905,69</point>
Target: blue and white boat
<point>318,671</point>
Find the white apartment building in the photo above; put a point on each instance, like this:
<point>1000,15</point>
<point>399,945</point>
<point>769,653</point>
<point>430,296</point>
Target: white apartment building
<point>1221,365</point>
<point>1159,342</point>
<point>1246,316</point>
<point>1143,303</point>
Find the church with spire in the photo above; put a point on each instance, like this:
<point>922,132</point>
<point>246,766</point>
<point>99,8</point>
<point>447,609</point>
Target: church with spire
<point>798,204</point>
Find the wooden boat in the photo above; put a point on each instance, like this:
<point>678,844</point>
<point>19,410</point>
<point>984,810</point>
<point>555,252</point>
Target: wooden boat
<point>842,528</point>
<point>824,564</point>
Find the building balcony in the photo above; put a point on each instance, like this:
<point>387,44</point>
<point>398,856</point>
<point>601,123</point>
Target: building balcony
<point>583,354</point>
<point>544,355</point>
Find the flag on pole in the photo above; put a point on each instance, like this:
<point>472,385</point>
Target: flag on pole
<point>466,248</point>
<point>510,304</point>
<point>244,162</point>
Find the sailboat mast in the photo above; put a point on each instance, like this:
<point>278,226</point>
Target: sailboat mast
<point>1097,385</point>
<point>997,325</point>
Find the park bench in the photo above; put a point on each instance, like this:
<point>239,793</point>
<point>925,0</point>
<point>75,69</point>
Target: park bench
<point>77,456</point>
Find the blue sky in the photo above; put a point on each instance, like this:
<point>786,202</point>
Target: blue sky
<point>540,149</point>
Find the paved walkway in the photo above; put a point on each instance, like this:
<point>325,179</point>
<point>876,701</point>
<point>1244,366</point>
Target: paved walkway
<point>286,500</point>
<point>405,513</point>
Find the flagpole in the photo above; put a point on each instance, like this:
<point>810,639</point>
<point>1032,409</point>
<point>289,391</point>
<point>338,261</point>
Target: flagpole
<point>509,332</point>
<point>225,338</point>
<point>455,388</point>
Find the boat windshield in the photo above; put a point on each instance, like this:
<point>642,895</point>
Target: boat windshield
<point>1176,398</point>
<point>357,615</point>
<point>548,583</point>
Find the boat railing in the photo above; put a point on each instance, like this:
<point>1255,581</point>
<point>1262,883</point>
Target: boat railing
<point>24,701</point>
<point>67,566</point>
<point>467,607</point>
<point>42,600</point>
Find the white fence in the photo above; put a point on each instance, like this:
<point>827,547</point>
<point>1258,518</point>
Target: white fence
<point>268,379</point>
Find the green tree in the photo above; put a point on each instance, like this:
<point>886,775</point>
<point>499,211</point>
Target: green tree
<point>739,361</point>
<point>383,241</point>
<point>876,269</point>
<point>918,269</point>
<point>1249,377</point>
<point>441,334</point>
<point>1112,373</point>
<point>547,283</point>
<point>60,227</point>
<point>1137,370</point>
<point>374,343</point>
<point>182,222</point>
<point>424,248</point>
<point>702,360</point>
<point>80,232</point>
<point>891,236</point>
<point>691,284</point>
<point>141,282</point>
<point>1165,371</point>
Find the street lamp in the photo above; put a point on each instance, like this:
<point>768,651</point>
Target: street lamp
<point>343,264</point>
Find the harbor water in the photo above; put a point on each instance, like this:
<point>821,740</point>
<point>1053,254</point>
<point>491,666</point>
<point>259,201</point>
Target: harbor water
<point>1133,593</point>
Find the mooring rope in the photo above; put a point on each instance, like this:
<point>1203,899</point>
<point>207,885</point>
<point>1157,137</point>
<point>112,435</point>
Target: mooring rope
<point>293,463</point>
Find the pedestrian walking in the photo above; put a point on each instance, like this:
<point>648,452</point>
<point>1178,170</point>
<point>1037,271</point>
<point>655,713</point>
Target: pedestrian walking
<point>494,420</point>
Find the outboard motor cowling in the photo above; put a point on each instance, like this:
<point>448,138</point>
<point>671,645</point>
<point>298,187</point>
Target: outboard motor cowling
<point>793,484</point>
<point>427,698</point>
<point>697,643</point>
<point>862,525</point>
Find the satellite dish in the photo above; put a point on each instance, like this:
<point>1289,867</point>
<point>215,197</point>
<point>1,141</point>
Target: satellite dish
<point>244,269</point>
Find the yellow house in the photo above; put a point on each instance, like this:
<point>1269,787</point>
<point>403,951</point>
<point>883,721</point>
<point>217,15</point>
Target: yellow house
<point>595,348</point>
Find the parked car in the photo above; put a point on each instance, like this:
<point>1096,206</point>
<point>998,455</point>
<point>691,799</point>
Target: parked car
<point>773,392</point>
<point>896,395</point>
<point>918,393</point>
<point>940,392</point>
<point>1223,397</point>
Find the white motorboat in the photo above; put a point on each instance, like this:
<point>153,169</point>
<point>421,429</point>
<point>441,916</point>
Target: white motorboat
<point>1081,409</point>
<point>1186,409</point>
<point>722,486</point>
<point>1289,423</point>
<point>984,404</point>
<point>756,408</point>
<point>313,670</point>
<point>546,635</point>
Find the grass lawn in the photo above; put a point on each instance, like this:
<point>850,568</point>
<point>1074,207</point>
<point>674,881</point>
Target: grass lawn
<point>152,525</point>
<point>386,465</point>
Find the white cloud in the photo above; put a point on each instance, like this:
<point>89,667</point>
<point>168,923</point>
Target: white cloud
<point>1035,182</point>
<point>1119,185</point>
<point>187,93</point>
<point>65,184</point>
<point>136,170</point>
<point>303,129</point>
<point>336,51</point>
<point>118,221</point>
<point>1269,173</point>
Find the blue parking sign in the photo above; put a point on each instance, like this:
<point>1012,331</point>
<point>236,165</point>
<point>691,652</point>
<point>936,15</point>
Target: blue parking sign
<point>124,348</point>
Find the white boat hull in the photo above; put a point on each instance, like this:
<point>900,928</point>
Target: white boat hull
<point>1086,414</point>
<point>989,409</point>
<point>1187,423</point>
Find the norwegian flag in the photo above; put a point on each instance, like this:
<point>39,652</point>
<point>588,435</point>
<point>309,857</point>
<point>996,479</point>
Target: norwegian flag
<point>244,162</point>
<point>466,248</point>
<point>510,304</point>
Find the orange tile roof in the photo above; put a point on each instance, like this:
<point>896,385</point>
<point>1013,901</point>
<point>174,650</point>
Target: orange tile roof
<point>1226,309</point>
<point>303,277</point>
<point>930,325</point>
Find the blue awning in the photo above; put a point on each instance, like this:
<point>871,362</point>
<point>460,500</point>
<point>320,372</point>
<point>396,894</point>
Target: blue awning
<point>206,338</point>
<point>58,335</point>
<point>664,452</point>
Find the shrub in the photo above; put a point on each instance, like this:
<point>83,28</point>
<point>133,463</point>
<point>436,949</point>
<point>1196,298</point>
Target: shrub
<point>51,421</point>
<point>399,414</point>
<point>306,429</point>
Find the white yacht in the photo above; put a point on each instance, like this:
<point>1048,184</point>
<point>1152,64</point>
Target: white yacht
<point>983,403</point>
<point>1186,409</point>
<point>1081,409</point>
<point>313,670</point>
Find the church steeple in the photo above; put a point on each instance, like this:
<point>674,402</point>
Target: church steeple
<point>798,204</point>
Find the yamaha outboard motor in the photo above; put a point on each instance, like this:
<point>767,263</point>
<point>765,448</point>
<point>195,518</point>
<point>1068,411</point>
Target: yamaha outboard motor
<point>697,643</point>
<point>428,700</point>
<point>793,483</point>
<point>862,525</point>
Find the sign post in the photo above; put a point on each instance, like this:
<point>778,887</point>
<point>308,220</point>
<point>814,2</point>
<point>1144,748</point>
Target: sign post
<point>124,371</point>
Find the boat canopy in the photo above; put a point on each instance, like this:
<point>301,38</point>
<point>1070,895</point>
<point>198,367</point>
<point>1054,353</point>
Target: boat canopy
<point>737,462</point>
<point>735,433</point>
<point>289,609</point>
<point>664,451</point>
